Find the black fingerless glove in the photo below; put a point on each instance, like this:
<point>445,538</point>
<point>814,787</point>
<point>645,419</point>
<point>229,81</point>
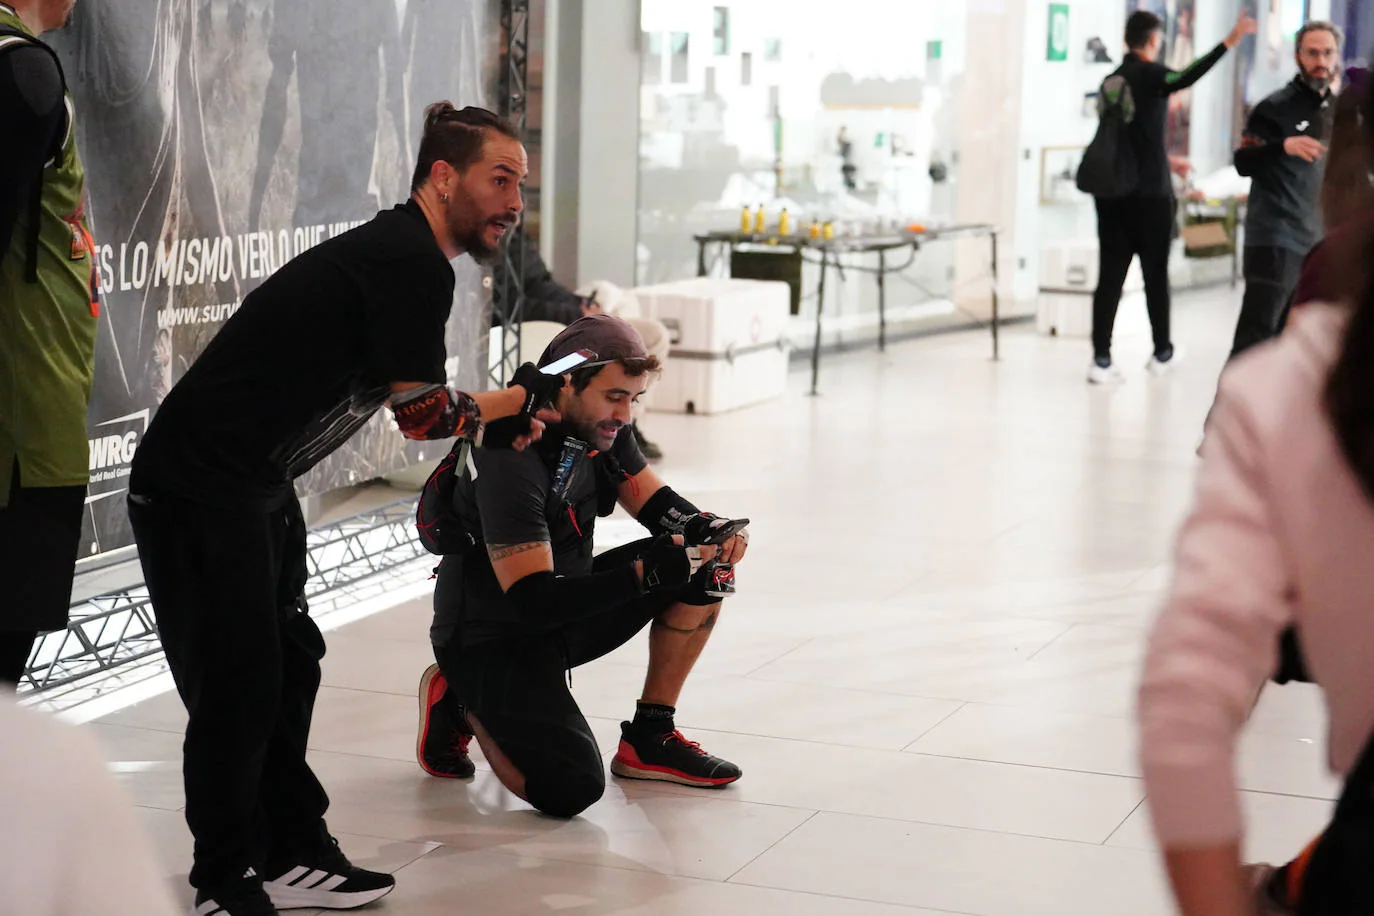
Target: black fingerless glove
<point>502,433</point>
<point>666,565</point>
<point>540,390</point>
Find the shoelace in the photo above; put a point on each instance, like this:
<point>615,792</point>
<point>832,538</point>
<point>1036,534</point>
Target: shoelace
<point>693,746</point>
<point>332,858</point>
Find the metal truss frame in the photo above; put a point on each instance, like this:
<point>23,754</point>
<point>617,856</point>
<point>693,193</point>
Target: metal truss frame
<point>118,628</point>
<point>515,43</point>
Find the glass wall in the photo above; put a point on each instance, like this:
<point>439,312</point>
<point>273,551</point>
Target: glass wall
<point>844,112</point>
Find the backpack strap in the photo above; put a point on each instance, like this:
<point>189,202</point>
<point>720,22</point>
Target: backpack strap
<point>11,38</point>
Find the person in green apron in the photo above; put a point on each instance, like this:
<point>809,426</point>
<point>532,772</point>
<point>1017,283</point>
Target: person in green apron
<point>48,314</point>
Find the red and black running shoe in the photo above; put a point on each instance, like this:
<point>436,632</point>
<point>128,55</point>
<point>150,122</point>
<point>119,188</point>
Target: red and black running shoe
<point>670,757</point>
<point>441,748</point>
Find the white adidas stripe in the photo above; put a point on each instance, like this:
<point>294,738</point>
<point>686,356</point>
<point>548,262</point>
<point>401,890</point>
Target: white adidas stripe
<point>293,875</point>
<point>311,878</point>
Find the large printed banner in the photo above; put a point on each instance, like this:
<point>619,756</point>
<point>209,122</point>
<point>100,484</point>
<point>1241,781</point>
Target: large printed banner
<point>223,137</point>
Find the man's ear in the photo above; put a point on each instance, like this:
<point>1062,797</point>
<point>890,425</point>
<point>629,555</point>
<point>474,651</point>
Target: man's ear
<point>443,176</point>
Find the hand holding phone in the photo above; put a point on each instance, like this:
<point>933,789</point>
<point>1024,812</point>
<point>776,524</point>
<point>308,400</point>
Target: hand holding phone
<point>712,530</point>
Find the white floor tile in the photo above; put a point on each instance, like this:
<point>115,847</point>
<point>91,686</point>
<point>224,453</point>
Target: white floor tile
<point>1277,826</point>
<point>928,675</point>
<point>1036,738</point>
<point>451,880</point>
<point>964,871</point>
<point>963,793</point>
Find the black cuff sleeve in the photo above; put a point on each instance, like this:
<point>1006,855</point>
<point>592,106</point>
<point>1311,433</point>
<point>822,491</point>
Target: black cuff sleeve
<point>1257,157</point>
<point>543,597</point>
<point>666,512</point>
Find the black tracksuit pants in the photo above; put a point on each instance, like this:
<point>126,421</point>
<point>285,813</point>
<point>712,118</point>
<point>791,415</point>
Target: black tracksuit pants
<point>518,688</point>
<point>227,587</point>
<point>1271,275</point>
<point>1130,227</point>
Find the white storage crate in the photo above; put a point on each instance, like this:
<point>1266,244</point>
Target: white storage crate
<point>730,346</point>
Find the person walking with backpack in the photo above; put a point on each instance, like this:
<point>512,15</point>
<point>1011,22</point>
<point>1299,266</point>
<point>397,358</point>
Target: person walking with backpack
<point>1135,199</point>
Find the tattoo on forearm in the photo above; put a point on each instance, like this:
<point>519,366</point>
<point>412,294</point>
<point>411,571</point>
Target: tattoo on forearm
<point>710,621</point>
<point>502,551</point>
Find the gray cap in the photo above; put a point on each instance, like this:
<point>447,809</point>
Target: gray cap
<point>607,336</point>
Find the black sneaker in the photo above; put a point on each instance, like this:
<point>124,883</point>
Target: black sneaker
<point>670,758</point>
<point>327,881</point>
<point>650,449</point>
<point>242,898</point>
<point>441,746</point>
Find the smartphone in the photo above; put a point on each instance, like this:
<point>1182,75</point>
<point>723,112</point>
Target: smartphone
<point>728,530</point>
<point>568,363</point>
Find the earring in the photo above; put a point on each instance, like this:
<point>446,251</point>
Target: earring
<point>443,198</point>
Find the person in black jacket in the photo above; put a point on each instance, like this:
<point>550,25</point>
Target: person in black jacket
<point>1142,222</point>
<point>1283,152</point>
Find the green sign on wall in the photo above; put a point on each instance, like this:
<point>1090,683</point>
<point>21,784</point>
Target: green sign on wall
<point>1057,45</point>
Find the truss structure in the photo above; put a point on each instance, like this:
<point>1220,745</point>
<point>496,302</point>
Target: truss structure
<point>515,43</point>
<point>117,629</point>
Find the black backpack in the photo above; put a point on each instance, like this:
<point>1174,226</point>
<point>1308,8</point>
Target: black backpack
<point>1340,876</point>
<point>1109,168</point>
<point>440,530</point>
<point>16,39</point>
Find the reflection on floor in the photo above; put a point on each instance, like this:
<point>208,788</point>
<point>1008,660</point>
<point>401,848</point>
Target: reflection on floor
<point>927,675</point>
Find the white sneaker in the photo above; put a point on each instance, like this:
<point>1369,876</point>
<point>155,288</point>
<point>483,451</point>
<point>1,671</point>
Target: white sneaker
<point>1108,376</point>
<point>1158,369</point>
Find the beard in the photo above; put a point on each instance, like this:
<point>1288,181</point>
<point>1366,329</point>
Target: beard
<point>470,233</point>
<point>1318,79</point>
<point>584,427</point>
<point>475,244</point>
<point>468,227</point>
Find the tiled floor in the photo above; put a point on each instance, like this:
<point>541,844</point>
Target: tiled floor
<point>927,676</point>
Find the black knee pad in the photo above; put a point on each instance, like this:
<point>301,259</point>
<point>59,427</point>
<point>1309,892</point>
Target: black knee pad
<point>566,795</point>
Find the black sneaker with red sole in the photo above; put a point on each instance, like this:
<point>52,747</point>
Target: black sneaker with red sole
<point>441,747</point>
<point>670,757</point>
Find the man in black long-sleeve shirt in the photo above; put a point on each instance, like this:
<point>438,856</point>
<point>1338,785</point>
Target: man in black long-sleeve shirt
<point>1142,222</point>
<point>1283,152</point>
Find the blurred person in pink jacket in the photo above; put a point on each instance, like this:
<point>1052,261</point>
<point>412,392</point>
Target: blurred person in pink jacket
<point>1281,534</point>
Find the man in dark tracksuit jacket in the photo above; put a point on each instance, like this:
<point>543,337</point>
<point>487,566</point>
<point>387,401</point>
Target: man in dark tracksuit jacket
<point>1283,153</point>
<point>1142,223</point>
<point>545,298</point>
